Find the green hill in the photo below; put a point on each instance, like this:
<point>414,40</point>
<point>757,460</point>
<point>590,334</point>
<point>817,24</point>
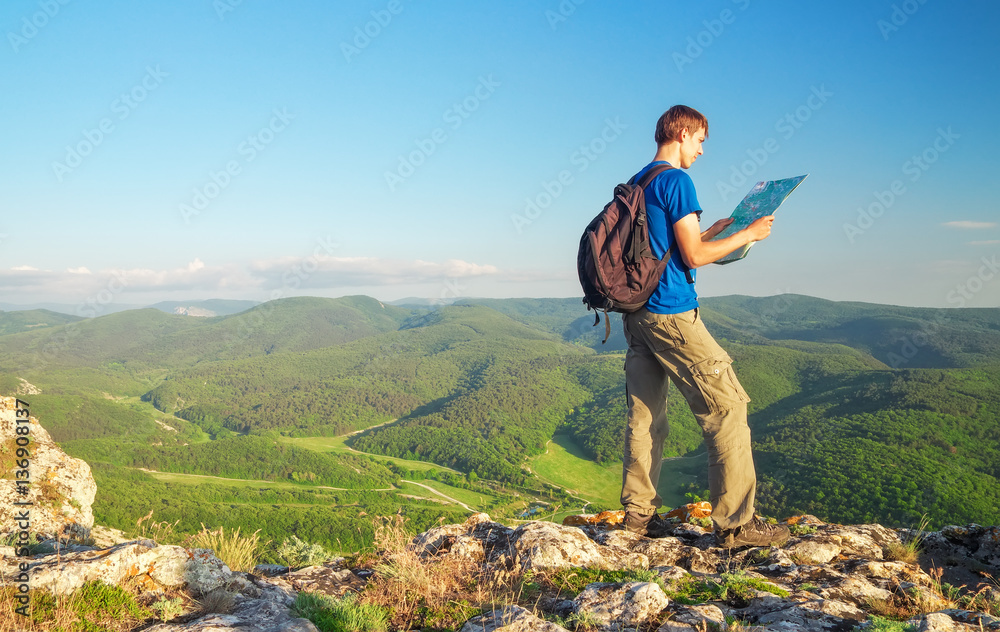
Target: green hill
<point>149,339</point>
<point>482,385</point>
<point>31,320</point>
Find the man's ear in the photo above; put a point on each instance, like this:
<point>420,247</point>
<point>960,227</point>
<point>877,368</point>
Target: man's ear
<point>684,135</point>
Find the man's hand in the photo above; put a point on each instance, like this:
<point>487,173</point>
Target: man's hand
<point>697,251</point>
<point>716,228</point>
<point>761,228</point>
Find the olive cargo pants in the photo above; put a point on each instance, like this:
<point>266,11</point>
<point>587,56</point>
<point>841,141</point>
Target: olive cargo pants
<point>679,347</point>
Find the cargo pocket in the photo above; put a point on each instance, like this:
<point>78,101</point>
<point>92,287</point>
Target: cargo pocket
<point>661,334</point>
<point>717,383</point>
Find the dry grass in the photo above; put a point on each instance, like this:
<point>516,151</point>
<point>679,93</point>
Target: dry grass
<point>442,592</point>
<point>908,552</point>
<point>219,601</point>
<point>94,606</point>
<point>239,552</point>
<point>160,532</point>
<point>916,600</point>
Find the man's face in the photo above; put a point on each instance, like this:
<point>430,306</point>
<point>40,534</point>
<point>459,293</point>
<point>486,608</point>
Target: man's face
<point>691,146</point>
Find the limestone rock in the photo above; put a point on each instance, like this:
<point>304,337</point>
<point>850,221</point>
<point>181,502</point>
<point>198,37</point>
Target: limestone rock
<point>816,550</point>
<point>977,620</point>
<point>856,590</point>
<point>154,567</point>
<point>62,488</point>
<point>509,619</point>
<point>260,615</point>
<point>866,540</point>
<point>812,614</point>
<point>933,622</point>
<point>695,619</point>
<point>547,546</point>
<point>436,540</point>
<point>972,546</point>
<point>626,604</point>
<point>669,573</point>
<point>329,579</point>
<point>106,537</point>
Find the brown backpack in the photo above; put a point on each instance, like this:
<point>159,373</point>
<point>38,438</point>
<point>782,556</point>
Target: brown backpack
<point>617,269</point>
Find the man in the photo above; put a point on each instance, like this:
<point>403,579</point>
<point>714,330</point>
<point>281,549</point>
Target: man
<point>667,339</point>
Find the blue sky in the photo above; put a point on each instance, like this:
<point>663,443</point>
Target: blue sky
<point>250,149</point>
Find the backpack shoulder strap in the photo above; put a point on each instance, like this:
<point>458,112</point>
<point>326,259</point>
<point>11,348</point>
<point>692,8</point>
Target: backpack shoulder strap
<point>644,182</point>
<point>649,175</point>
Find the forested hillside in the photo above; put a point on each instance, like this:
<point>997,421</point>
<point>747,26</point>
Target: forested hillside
<point>860,412</point>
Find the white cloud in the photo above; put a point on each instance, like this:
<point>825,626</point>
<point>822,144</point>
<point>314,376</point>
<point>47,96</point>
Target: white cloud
<point>329,272</point>
<point>990,242</point>
<point>967,225</point>
<point>288,274</point>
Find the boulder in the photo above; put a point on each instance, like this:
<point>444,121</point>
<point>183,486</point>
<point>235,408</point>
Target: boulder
<point>695,619</point>
<point>61,489</point>
<point>548,546</point>
<point>152,566</point>
<point>815,550</point>
<point>624,604</point>
<point>509,619</point>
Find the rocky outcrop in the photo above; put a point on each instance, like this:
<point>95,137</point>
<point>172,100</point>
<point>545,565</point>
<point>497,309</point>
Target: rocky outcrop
<point>61,489</point>
<point>827,577</point>
<point>154,567</point>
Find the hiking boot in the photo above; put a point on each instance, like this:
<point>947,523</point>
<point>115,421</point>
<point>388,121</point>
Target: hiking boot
<point>753,533</point>
<point>651,525</point>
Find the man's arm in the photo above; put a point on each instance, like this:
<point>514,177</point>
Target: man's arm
<point>697,253</point>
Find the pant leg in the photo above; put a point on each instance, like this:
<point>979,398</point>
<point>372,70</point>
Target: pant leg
<point>646,426</point>
<point>702,371</point>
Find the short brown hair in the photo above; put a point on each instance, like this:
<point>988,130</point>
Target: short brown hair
<point>677,118</point>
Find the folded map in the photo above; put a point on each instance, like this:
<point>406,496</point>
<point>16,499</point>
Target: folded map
<point>762,200</point>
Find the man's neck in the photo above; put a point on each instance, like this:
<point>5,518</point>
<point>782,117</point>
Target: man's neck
<point>671,152</point>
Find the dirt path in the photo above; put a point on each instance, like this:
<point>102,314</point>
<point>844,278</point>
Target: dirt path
<point>256,480</point>
<point>434,491</point>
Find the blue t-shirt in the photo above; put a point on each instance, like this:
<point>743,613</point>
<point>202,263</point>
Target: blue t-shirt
<point>670,197</point>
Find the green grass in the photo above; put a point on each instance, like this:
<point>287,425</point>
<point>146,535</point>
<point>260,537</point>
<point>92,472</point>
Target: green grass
<point>881,624</point>
<point>570,581</point>
<point>564,465</point>
<point>338,445</point>
<point>738,587</point>
<point>675,477</point>
<point>201,479</point>
<point>345,614</point>
<point>472,498</point>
